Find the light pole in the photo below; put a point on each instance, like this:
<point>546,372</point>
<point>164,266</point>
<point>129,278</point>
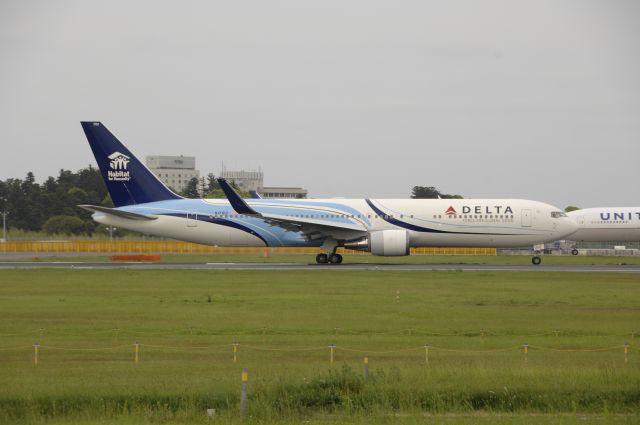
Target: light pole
<point>4,219</point>
<point>111,229</point>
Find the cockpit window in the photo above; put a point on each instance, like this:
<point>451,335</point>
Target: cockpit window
<point>558,214</point>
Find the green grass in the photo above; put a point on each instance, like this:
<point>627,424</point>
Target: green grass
<point>186,321</point>
<point>348,258</point>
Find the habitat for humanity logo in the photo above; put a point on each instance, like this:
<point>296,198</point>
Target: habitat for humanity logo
<point>118,162</point>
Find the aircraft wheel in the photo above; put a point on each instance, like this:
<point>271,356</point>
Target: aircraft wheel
<point>322,258</point>
<point>335,259</point>
<point>574,251</point>
<point>536,260</point>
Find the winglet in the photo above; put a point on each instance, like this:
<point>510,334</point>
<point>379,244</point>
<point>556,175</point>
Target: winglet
<point>254,194</point>
<point>237,203</point>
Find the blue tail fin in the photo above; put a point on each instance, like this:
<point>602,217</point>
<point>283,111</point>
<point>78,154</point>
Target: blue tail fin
<point>128,180</point>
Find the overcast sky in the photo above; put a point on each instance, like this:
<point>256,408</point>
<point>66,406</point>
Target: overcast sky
<point>536,100</point>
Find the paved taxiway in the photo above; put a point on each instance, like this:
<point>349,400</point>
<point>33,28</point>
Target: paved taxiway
<point>299,266</point>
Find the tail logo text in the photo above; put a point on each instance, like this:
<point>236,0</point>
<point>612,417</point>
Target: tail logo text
<point>118,163</point>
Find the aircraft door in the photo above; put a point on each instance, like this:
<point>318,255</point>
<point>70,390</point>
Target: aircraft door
<point>526,218</point>
<point>580,220</point>
<point>192,219</point>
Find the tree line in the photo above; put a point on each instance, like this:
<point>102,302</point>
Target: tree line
<point>52,206</point>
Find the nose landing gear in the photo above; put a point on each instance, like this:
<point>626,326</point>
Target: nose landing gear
<point>536,260</point>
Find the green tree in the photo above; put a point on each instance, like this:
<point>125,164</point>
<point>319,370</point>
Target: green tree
<point>219,194</point>
<point>77,196</point>
<point>191,190</point>
<point>571,208</point>
<point>106,201</point>
<point>31,205</point>
<point>212,183</point>
<point>430,192</point>
<point>215,194</point>
<point>65,224</point>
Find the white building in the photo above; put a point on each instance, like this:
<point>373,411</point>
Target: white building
<point>282,192</point>
<point>245,180</point>
<point>254,181</point>
<point>174,171</point>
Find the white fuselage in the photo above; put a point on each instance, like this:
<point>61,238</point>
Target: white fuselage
<point>430,222</point>
<point>606,224</point>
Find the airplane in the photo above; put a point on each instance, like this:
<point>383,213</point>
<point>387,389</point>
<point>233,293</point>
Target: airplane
<point>620,224</point>
<point>386,227</point>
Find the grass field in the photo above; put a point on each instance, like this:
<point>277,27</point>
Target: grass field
<point>348,259</point>
<point>87,321</point>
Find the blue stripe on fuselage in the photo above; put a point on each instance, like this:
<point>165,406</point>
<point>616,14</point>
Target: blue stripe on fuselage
<point>221,222</point>
<point>223,214</point>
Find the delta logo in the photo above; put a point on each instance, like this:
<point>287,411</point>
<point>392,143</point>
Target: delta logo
<point>481,209</point>
<point>118,163</point>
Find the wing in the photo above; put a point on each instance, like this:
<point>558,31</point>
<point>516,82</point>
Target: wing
<point>311,228</point>
<point>314,229</point>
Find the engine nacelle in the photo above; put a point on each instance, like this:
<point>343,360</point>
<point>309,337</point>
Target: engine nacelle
<point>389,242</point>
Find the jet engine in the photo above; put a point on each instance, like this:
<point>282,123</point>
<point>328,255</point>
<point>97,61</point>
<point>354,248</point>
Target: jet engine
<point>386,243</point>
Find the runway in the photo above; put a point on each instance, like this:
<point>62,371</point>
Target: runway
<point>319,268</point>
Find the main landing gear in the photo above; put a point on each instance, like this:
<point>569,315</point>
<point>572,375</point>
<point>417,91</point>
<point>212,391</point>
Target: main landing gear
<point>331,259</point>
<point>329,245</point>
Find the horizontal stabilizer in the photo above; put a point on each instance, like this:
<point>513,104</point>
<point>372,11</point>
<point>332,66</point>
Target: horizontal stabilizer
<point>118,213</point>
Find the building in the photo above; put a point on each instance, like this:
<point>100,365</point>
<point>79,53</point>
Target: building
<point>244,180</point>
<point>254,181</point>
<point>282,192</point>
<point>174,171</point>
